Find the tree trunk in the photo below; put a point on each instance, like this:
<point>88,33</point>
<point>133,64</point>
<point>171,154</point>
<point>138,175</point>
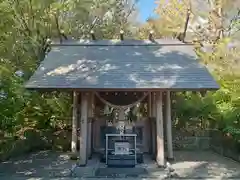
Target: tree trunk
<point>186,24</point>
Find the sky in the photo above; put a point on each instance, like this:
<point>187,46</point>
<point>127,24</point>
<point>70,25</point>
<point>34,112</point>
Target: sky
<point>146,8</point>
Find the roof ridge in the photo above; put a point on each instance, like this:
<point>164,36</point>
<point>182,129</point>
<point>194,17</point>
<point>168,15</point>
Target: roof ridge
<point>118,42</point>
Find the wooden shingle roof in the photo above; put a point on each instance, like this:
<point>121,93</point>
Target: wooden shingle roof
<point>128,64</point>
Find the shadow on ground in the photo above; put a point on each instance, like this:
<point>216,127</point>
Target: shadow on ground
<point>187,165</point>
<point>205,165</point>
<point>41,164</point>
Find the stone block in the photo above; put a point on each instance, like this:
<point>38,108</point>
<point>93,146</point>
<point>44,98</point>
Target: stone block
<point>204,143</point>
<point>216,137</point>
<point>187,143</point>
<point>217,149</point>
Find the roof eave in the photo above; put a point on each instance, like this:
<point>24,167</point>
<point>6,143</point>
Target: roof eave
<point>47,89</point>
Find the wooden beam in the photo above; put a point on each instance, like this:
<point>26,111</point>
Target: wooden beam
<point>49,89</point>
<point>74,122</point>
<point>159,123</point>
<point>169,125</point>
<point>83,138</point>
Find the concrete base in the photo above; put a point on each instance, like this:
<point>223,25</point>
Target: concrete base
<point>81,165</point>
<point>161,166</point>
<point>90,157</point>
<point>153,157</point>
<point>170,159</point>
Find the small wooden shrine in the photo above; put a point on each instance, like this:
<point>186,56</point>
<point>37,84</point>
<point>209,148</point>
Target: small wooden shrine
<point>112,82</point>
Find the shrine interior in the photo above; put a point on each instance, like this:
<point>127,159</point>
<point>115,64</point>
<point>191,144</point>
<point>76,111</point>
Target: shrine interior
<point>122,128</point>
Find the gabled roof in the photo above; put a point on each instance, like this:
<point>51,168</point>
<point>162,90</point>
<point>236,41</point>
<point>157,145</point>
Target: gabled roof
<point>128,64</point>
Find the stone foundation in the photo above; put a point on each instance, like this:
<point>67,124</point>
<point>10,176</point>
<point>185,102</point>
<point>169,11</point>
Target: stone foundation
<point>188,141</point>
<point>192,143</point>
<point>225,145</point>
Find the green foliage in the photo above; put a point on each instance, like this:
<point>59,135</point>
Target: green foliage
<point>170,21</point>
<point>25,27</point>
<point>235,132</point>
<point>214,47</point>
<point>169,10</point>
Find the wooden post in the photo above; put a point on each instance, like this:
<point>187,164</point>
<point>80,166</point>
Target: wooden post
<point>148,125</point>
<point>150,105</point>
<point>89,133</point>
<point>154,108</point>
<point>149,122</point>
<point>159,123</point>
<point>74,122</point>
<point>83,138</point>
<point>121,35</point>
<point>150,37</point>
<point>169,125</point>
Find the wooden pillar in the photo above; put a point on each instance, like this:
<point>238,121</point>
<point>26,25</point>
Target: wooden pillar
<point>154,107</point>
<point>150,105</point>
<point>90,117</point>
<point>169,125</point>
<point>83,123</point>
<point>74,122</point>
<point>153,124</point>
<point>159,124</point>
<point>149,123</point>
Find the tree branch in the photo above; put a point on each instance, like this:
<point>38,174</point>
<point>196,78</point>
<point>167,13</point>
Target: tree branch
<point>20,16</point>
<point>129,12</point>
<point>58,29</point>
<point>94,22</point>
<point>186,24</point>
<point>31,12</point>
<point>182,36</point>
